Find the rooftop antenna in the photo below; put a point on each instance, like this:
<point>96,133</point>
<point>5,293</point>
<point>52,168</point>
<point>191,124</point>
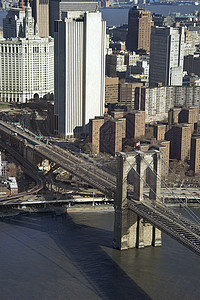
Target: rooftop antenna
<point>144,4</point>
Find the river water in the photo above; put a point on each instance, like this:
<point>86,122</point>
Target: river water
<point>42,257</point>
<point>118,16</point>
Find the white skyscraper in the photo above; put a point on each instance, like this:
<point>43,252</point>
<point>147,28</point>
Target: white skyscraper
<point>79,71</point>
<point>58,9</point>
<point>166,56</point>
<point>26,64</point>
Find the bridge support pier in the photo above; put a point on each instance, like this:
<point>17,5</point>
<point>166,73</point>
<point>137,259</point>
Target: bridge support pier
<point>130,230</point>
<point>157,239</point>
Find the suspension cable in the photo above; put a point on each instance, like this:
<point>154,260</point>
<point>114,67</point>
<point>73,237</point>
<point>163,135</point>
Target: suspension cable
<point>188,210</point>
<point>175,215</point>
<point>179,180</point>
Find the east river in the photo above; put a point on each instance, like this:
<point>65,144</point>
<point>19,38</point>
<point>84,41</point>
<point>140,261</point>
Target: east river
<point>42,257</point>
<point>118,16</point>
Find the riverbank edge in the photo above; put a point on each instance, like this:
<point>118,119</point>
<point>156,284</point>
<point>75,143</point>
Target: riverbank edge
<point>56,211</point>
<point>59,211</point>
<point>68,210</point>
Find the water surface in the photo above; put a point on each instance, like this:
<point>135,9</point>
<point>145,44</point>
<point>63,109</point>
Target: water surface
<point>42,257</point>
<point>118,16</point>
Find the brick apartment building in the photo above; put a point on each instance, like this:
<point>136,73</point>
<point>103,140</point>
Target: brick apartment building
<point>127,93</point>
<point>111,133</point>
<point>195,154</point>
<point>181,125</point>
<point>117,114</point>
<point>180,141</point>
<point>106,135</point>
<point>94,133</point>
<point>111,90</point>
<point>159,131</point>
<point>189,115</point>
<point>135,124</point>
<point>183,115</point>
<point>172,139</point>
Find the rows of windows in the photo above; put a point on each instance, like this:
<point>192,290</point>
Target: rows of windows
<point>27,49</point>
<point>9,49</point>
<point>31,70</point>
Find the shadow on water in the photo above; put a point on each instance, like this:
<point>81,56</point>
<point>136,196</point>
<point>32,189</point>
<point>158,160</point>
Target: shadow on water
<point>84,246</point>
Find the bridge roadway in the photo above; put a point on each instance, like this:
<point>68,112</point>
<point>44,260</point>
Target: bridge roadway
<point>183,230</point>
<point>173,224</point>
<point>83,169</point>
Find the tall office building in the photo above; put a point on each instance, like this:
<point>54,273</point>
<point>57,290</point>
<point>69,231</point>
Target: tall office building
<point>13,23</point>
<point>58,9</point>
<point>41,15</point>
<point>23,3</point>
<point>26,64</point>
<point>166,56</point>
<point>79,71</point>
<point>139,29</point>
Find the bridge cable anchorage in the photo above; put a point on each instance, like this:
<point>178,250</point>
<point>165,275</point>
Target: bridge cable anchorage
<point>187,209</point>
<point>179,180</point>
<point>184,222</point>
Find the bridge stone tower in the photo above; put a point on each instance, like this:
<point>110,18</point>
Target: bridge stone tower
<point>136,169</point>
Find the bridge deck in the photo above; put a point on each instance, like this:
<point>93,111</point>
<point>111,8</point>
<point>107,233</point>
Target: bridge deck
<point>88,172</point>
<point>176,226</point>
<point>173,224</point>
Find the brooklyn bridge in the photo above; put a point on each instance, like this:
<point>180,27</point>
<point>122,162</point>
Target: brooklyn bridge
<point>140,214</point>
